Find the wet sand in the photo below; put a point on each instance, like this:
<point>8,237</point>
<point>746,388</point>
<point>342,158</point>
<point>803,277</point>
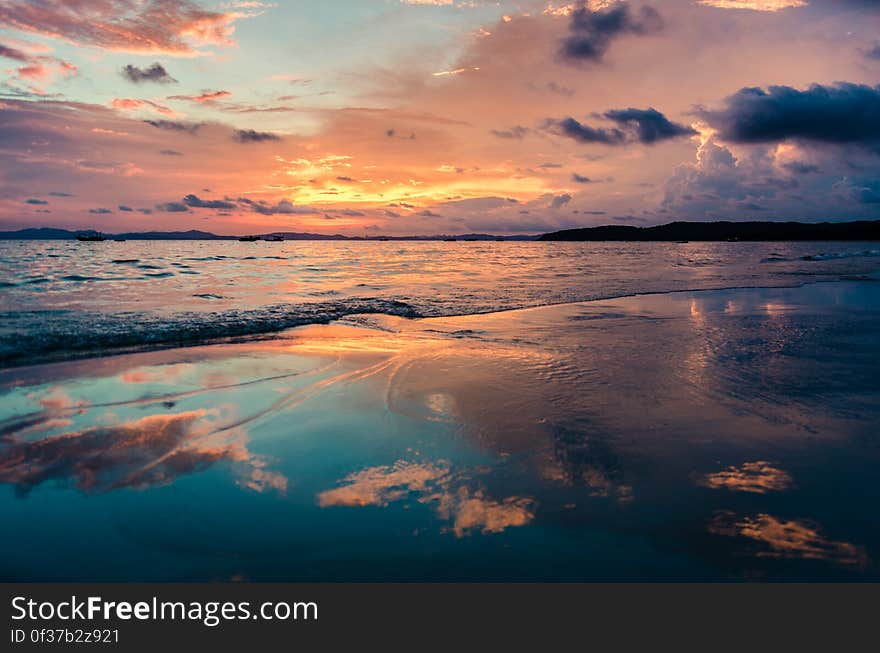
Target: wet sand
<point>714,435</point>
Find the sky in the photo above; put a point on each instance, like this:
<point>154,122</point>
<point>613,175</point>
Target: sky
<point>372,117</point>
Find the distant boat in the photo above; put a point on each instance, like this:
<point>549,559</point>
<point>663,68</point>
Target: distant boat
<point>90,238</point>
<point>249,239</point>
<point>384,239</point>
<point>274,238</point>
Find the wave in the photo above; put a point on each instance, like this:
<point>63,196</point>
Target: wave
<point>36,339</point>
<point>824,256</point>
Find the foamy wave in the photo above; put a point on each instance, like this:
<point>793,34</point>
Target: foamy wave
<point>82,334</point>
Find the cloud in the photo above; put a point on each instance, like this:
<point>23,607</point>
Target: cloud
<point>124,208</point>
<point>173,125</point>
<point>173,207</point>
<point>560,200</point>
<point>840,113</point>
<point>646,126</point>
<point>60,194</point>
<point>100,211</point>
<point>515,132</point>
<point>651,126</point>
<point>13,53</point>
<point>154,73</point>
<point>593,31</point>
<point>170,152</point>
<point>195,202</point>
<point>754,5</point>
<point>253,136</point>
<point>35,201</point>
<point>132,104</point>
<point>171,27</point>
<point>571,128</point>
<point>283,207</point>
<point>579,179</point>
<point>204,96</point>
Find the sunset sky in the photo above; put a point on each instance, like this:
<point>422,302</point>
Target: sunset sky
<point>435,116</point>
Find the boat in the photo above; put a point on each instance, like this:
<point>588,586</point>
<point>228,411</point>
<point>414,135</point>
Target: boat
<point>682,242</point>
<point>90,238</point>
<point>249,239</point>
<point>274,238</point>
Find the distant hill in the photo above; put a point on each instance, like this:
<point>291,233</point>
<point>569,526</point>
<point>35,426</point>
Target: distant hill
<point>722,231</point>
<point>45,233</point>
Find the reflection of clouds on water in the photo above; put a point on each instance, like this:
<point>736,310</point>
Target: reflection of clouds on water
<point>141,453</point>
<point>156,373</point>
<point>431,483</point>
<point>378,486</point>
<point>580,459</point>
<point>759,477</point>
<point>788,539</point>
<point>474,511</point>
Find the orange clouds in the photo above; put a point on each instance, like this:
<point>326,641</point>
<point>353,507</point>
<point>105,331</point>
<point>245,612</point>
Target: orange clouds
<point>788,539</point>
<point>131,104</point>
<point>431,483</point>
<point>757,477</point>
<point>153,26</point>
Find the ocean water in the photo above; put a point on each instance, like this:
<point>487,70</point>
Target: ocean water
<point>711,435</point>
<point>66,298</point>
<point>699,411</point>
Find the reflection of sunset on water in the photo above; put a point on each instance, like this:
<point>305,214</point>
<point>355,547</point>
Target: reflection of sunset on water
<point>575,438</point>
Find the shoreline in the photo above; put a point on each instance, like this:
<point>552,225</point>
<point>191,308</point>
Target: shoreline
<point>264,335</point>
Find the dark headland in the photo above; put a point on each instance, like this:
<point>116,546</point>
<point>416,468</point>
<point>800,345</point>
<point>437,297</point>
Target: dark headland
<point>726,231</point>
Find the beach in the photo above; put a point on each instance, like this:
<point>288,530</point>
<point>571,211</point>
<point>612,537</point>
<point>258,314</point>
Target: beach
<point>718,434</point>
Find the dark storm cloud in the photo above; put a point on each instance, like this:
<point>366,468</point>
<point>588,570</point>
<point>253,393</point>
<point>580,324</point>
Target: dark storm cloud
<point>592,32</point>
<point>198,203</point>
<point>253,136</point>
<point>515,132</point>
<point>646,126</point>
<point>154,73</point>
<point>35,201</point>
<point>173,207</point>
<point>650,125</point>
<point>173,125</point>
<point>571,128</point>
<point>842,113</point>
